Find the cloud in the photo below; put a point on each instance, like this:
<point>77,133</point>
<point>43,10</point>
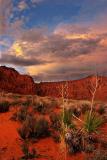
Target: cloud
<point>22,5</point>
<point>5,13</point>
<point>19,61</point>
<point>67,52</point>
<point>36,1</point>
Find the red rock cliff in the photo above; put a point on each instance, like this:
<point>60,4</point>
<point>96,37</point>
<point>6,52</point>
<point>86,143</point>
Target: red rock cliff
<point>12,81</point>
<point>77,89</point>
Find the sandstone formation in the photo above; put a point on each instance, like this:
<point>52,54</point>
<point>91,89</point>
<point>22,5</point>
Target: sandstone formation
<point>12,81</point>
<point>76,89</point>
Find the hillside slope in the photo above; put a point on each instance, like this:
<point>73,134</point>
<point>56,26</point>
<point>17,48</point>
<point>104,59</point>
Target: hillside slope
<point>77,89</point>
<point>12,81</point>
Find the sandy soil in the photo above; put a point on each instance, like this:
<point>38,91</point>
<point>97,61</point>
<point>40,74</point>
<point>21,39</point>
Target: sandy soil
<point>10,142</point>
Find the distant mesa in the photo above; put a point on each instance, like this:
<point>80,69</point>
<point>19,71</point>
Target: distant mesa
<point>12,81</point>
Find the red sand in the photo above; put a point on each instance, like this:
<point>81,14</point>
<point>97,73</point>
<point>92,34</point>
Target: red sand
<point>10,143</point>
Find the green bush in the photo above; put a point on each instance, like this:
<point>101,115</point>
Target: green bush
<point>92,122</point>
<point>4,107</point>
<point>27,153</point>
<point>27,129</point>
<point>41,128</point>
<point>55,121</point>
<point>34,128</point>
<point>27,103</point>
<point>22,113</point>
<point>101,110</point>
<point>66,118</point>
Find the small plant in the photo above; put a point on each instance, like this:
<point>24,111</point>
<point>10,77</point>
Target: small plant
<point>101,110</point>
<point>55,121</point>
<point>32,128</point>
<point>89,148</point>
<point>4,107</point>
<point>93,122</point>
<point>67,119</point>
<point>74,141</point>
<point>28,154</point>
<point>21,114</point>
<point>26,103</point>
<point>40,107</point>
<point>27,129</point>
<point>41,128</point>
<point>84,108</point>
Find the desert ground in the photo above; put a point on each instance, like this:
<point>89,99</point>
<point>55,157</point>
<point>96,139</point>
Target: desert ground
<point>17,142</point>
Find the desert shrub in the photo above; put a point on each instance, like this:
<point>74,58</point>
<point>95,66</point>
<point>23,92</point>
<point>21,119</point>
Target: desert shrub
<point>93,122</point>
<point>74,141</point>
<point>26,103</point>
<point>21,114</point>
<point>34,128</point>
<point>40,107</point>
<point>56,136</point>
<point>66,118</point>
<point>89,148</point>
<point>41,128</point>
<point>27,129</point>
<point>91,138</point>
<point>4,107</point>
<point>27,153</point>
<point>15,103</point>
<point>55,121</point>
<point>85,107</point>
<point>16,96</point>
<point>98,155</point>
<point>101,110</point>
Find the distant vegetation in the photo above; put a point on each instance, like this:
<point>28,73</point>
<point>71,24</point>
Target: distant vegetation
<point>70,122</point>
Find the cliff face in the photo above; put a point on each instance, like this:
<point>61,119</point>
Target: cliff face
<point>78,89</point>
<point>12,81</point>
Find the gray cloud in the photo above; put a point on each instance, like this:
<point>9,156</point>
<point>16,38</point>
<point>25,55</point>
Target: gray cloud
<point>72,57</point>
<point>19,61</point>
<point>5,13</point>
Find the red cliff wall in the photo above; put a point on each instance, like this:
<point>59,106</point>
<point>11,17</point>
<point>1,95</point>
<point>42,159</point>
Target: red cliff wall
<point>12,81</point>
<point>78,89</point>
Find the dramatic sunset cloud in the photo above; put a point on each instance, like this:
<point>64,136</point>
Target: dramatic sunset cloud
<point>54,41</point>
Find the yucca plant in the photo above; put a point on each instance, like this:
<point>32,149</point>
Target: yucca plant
<point>92,123</point>
<point>66,118</point>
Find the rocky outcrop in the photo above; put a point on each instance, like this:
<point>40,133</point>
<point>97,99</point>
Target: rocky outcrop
<point>12,81</point>
<point>77,89</point>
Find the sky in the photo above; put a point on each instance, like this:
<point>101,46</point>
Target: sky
<point>54,40</point>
